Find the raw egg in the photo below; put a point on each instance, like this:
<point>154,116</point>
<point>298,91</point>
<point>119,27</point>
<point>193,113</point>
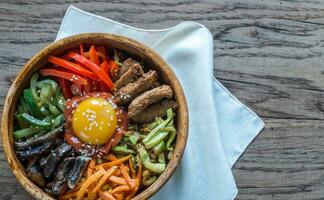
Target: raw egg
<point>94,121</point>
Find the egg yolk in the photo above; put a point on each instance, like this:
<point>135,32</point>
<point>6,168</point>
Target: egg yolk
<point>94,121</point>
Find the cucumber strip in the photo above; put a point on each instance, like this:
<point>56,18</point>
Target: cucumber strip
<point>34,121</point>
<point>30,101</point>
<point>25,132</point>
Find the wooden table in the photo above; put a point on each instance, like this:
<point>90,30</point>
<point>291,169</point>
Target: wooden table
<point>269,54</point>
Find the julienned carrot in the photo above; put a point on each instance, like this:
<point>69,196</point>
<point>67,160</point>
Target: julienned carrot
<point>119,196</point>
<point>129,181</point>
<point>110,157</point>
<point>113,163</point>
<point>93,56</point>
<point>66,90</point>
<point>130,162</point>
<point>66,75</point>
<point>104,179</point>
<point>91,166</point>
<point>72,67</point>
<point>121,188</point>
<point>88,182</point>
<point>117,180</point>
<point>106,196</point>
<point>93,67</point>
<point>138,182</point>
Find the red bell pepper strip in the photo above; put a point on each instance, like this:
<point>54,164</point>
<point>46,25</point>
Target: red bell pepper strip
<point>93,55</point>
<point>65,87</point>
<point>101,51</point>
<point>114,69</point>
<point>66,75</point>
<point>93,67</point>
<point>105,66</point>
<point>73,67</point>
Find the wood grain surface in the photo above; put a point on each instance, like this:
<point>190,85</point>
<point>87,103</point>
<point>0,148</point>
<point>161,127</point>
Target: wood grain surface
<point>269,54</point>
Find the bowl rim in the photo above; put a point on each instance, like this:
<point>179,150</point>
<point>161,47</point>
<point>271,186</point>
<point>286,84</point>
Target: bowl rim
<point>8,108</point>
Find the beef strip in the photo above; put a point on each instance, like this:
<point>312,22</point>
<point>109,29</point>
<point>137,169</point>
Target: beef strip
<point>156,110</point>
<point>127,93</point>
<point>148,98</point>
<point>132,74</point>
<point>128,63</point>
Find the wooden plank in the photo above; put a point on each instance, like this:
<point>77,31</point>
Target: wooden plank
<point>268,53</point>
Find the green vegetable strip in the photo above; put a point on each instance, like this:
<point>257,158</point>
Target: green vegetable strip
<point>33,82</point>
<point>157,149</point>
<point>122,150</point>
<point>58,121</point>
<point>24,106</point>
<point>30,101</point>
<point>60,102</point>
<point>156,139</point>
<point>45,94</point>
<point>162,158</point>
<point>134,138</point>
<point>34,121</point>
<point>53,109</point>
<point>25,132</point>
<point>21,122</point>
<point>144,156</point>
<point>170,140</point>
<point>156,129</point>
<point>53,84</point>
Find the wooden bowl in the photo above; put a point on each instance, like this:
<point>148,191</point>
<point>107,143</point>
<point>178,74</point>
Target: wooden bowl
<point>113,41</point>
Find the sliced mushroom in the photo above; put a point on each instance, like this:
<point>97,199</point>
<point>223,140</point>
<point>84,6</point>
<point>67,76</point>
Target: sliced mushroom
<point>36,151</point>
<point>77,171</point>
<point>55,158</point>
<point>35,174</point>
<point>55,133</point>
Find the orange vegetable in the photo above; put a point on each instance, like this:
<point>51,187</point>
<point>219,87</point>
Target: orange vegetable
<point>66,75</point>
<point>88,182</point>
<point>127,177</point>
<point>104,178</point>
<point>113,163</point>
<point>93,67</point>
<point>105,66</point>
<point>101,51</point>
<point>91,166</point>
<point>72,67</point>
<point>110,157</point>
<point>93,55</point>
<point>117,180</point>
<point>119,196</point>
<point>132,168</point>
<point>106,196</point>
<point>121,188</point>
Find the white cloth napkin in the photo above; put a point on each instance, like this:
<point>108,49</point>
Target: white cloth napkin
<point>220,126</point>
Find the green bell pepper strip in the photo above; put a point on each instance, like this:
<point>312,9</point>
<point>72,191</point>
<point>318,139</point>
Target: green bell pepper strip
<point>156,139</point>
<point>60,101</point>
<point>144,156</point>
<point>21,122</point>
<point>33,82</point>
<point>45,94</point>
<point>53,84</point>
<point>53,109</point>
<point>170,140</point>
<point>31,103</point>
<point>24,106</point>
<point>25,132</point>
<point>34,121</point>
<point>58,121</point>
<point>157,149</point>
<point>44,110</point>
